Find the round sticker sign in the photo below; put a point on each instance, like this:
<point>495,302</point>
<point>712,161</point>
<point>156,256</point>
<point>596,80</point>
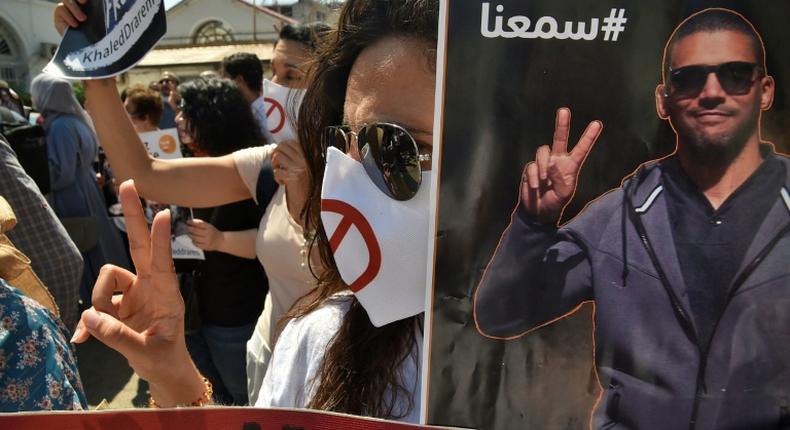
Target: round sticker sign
<point>167,144</point>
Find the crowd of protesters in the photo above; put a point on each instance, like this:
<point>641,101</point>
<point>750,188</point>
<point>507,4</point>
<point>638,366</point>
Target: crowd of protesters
<point>276,324</point>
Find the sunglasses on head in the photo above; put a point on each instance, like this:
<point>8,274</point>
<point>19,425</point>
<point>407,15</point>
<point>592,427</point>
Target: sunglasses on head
<point>735,77</point>
<point>389,154</point>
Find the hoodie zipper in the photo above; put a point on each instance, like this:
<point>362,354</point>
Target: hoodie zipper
<point>680,313</point>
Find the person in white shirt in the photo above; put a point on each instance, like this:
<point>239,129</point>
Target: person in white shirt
<point>246,71</point>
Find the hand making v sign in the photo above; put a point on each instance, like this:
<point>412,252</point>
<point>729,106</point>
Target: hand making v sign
<point>548,182</point>
<point>146,322</point>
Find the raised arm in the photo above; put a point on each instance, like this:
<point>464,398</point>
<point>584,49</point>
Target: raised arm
<point>194,182</point>
<point>548,183</point>
<point>538,274</point>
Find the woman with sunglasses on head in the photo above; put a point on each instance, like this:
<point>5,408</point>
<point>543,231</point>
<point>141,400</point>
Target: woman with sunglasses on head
<point>330,355</point>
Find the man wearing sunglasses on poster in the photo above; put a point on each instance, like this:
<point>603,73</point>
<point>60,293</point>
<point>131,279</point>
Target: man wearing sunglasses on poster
<point>686,262</point>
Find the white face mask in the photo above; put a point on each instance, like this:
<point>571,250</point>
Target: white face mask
<point>379,244</point>
<point>282,106</point>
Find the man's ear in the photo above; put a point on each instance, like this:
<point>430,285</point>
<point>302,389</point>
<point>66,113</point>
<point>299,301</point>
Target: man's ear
<point>661,99</point>
<point>767,85</point>
<point>240,82</point>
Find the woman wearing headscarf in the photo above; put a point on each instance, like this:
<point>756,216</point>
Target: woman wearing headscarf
<point>72,148</point>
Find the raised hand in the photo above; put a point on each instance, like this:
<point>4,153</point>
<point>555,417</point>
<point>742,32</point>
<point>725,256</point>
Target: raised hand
<point>68,14</point>
<point>146,322</point>
<point>290,170</point>
<point>548,182</point>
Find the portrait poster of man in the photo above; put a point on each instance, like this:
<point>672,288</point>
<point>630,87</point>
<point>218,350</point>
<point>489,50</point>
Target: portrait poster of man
<point>661,304</point>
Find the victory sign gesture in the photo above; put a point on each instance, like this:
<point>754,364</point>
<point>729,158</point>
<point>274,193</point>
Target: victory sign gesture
<point>145,322</point>
<point>548,182</point>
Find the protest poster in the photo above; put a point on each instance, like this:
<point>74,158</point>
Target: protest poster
<point>116,35</point>
<point>183,248</point>
<point>165,144</point>
<point>504,68</point>
<point>162,144</point>
<point>181,243</point>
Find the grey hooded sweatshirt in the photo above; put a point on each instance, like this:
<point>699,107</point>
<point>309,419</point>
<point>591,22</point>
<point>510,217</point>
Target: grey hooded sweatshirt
<point>620,253</point>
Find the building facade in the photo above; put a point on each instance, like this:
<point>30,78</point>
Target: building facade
<point>28,40</point>
<point>201,32</point>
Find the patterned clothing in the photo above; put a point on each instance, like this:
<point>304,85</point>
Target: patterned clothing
<point>40,235</point>
<point>38,369</point>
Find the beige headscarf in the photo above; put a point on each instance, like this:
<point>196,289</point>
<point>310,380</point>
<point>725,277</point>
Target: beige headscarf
<point>15,266</point>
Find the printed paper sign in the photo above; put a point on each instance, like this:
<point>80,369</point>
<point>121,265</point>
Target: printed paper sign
<point>282,105</point>
<point>182,246</point>
<point>162,144</point>
<point>115,37</point>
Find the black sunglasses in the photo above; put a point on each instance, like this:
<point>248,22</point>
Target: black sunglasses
<point>389,154</point>
<point>735,77</point>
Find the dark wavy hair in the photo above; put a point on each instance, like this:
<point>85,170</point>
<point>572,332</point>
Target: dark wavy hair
<point>360,372</point>
<point>220,120</point>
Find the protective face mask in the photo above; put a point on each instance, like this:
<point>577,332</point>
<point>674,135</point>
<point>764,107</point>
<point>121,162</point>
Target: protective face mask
<point>282,106</point>
<point>379,244</point>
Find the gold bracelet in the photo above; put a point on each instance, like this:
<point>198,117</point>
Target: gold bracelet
<point>202,401</point>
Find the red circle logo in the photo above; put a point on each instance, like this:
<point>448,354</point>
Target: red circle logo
<point>352,217</point>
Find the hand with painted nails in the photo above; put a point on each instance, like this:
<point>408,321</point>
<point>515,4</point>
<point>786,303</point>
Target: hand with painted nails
<point>548,183</point>
<point>145,322</point>
<point>68,14</point>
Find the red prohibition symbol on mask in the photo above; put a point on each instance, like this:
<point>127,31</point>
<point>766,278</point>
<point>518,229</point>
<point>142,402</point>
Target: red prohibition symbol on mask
<point>270,114</point>
<point>352,217</point>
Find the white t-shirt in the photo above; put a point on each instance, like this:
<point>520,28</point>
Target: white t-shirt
<point>283,252</point>
<point>291,379</point>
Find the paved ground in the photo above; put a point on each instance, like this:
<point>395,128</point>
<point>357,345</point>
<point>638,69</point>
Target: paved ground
<point>106,375</point>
